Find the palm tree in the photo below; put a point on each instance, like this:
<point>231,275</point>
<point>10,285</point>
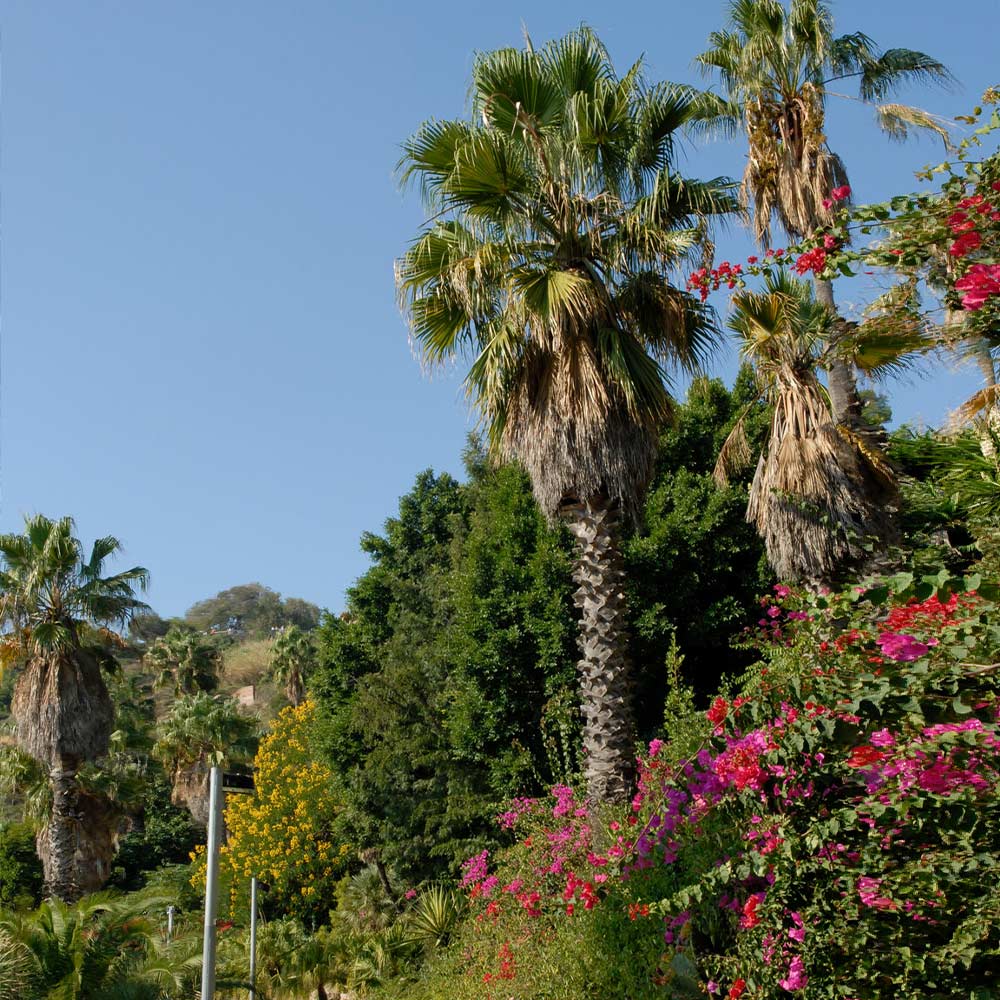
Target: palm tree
<point>185,660</point>
<point>199,732</point>
<point>57,607</point>
<point>776,64</point>
<point>804,499</point>
<point>98,947</point>
<point>291,657</point>
<point>555,216</point>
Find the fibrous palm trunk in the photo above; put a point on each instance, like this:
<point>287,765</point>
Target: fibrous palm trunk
<point>295,690</point>
<point>843,385</point>
<point>61,878</point>
<point>605,677</point>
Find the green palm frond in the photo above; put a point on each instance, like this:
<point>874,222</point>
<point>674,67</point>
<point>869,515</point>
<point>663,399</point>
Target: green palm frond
<point>551,206</point>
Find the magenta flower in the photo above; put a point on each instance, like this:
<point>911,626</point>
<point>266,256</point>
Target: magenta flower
<point>902,648</point>
<point>796,978</point>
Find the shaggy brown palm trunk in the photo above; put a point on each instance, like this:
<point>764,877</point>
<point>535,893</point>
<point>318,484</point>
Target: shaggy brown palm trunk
<point>295,690</point>
<point>843,385</point>
<point>605,677</point>
<point>60,877</point>
<point>991,423</point>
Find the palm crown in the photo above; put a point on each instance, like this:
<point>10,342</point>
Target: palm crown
<point>776,64</point>
<point>48,587</point>
<point>556,216</point>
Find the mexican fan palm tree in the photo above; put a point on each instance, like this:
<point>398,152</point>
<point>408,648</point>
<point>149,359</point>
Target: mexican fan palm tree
<point>54,604</point>
<point>291,657</point>
<point>556,216</point>
<point>804,499</point>
<point>184,660</point>
<point>198,732</point>
<point>776,65</point>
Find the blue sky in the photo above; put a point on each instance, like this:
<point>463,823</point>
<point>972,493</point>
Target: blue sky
<point>202,351</point>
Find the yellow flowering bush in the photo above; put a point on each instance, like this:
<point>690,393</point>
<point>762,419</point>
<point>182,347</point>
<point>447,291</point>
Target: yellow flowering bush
<point>282,833</point>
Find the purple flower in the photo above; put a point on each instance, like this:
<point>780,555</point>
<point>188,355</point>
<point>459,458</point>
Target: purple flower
<point>796,978</point>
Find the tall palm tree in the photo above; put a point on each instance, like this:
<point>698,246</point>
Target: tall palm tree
<point>804,499</point>
<point>185,660</point>
<point>292,655</point>
<point>201,731</point>
<point>555,216</point>
<point>57,606</point>
<point>776,65</point>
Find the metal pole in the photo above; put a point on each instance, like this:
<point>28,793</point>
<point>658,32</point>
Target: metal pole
<point>211,883</point>
<point>171,910</point>
<point>253,938</point>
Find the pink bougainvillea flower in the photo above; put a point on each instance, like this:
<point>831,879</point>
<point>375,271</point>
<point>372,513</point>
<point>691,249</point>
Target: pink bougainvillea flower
<point>841,193</point>
<point>980,283</point>
<point>882,738</point>
<point>902,648</point>
<point>796,978</point>
<point>965,244</point>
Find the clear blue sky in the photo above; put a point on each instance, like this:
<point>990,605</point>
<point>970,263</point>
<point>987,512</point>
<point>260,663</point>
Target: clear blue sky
<point>202,352</point>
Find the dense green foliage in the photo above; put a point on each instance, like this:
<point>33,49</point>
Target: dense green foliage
<point>20,869</point>
<point>252,608</point>
<point>449,684</point>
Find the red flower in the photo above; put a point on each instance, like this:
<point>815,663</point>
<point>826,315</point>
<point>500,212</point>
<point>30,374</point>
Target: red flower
<point>718,712</point>
<point>736,990</point>
<point>841,193</point>
<point>966,243</point>
<point>864,757</point>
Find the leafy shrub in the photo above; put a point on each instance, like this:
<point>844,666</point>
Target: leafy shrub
<point>837,834</point>
<point>21,876</point>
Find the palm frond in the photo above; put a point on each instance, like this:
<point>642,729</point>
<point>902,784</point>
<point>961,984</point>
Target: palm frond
<point>898,121</point>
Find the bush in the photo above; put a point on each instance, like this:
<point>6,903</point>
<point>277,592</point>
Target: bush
<point>21,878</point>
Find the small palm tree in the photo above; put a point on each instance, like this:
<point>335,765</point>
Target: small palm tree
<point>201,731</point>
<point>292,656</point>
<point>776,64</point>
<point>57,606</point>
<point>804,499</point>
<point>97,947</point>
<point>185,660</point>
<point>556,216</point>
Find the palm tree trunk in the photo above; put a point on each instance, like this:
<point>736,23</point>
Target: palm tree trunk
<point>843,384</point>
<point>61,878</point>
<point>991,425</point>
<point>295,690</point>
<point>605,676</point>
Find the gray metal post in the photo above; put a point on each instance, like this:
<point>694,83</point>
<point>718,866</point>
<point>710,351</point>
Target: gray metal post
<point>253,937</point>
<point>212,883</point>
<point>171,910</point>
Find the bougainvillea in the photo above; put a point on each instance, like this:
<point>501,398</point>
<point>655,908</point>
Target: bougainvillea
<point>836,833</point>
<point>283,832</point>
<point>853,808</point>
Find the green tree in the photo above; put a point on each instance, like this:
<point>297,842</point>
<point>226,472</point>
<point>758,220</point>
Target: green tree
<point>432,688</point>
<point>775,64</point>
<point>185,660</point>
<point>53,601</point>
<point>292,658</point>
<point>805,499</point>
<point>258,610</point>
<point>557,215</point>
<point>697,569</point>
